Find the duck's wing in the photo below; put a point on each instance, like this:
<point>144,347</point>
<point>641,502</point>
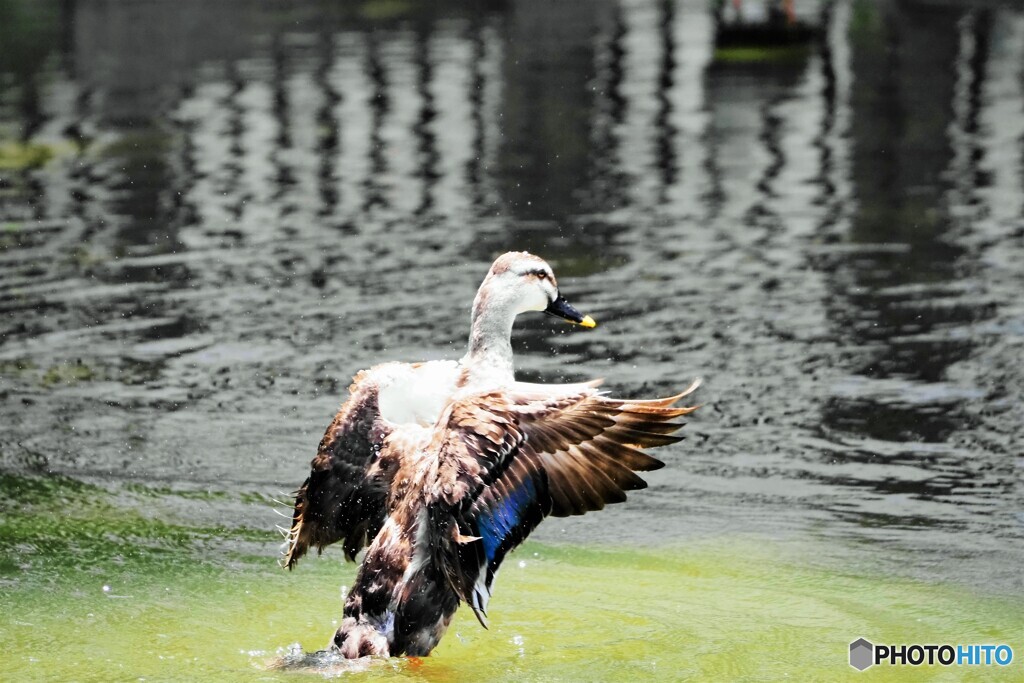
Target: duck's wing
<point>507,460</point>
<point>338,501</point>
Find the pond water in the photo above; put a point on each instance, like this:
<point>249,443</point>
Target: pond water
<point>213,213</point>
<point>734,608</point>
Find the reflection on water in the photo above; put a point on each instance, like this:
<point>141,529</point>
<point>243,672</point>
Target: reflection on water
<point>206,231</point>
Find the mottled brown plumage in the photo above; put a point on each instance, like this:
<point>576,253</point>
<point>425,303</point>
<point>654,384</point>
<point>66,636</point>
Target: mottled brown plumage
<point>338,502</point>
<point>563,455</point>
<point>495,465</point>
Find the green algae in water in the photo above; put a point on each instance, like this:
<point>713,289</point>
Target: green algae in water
<point>124,597</point>
<point>761,54</point>
<point>17,156</point>
<point>68,373</point>
<point>684,614</point>
<point>16,366</point>
<point>385,9</point>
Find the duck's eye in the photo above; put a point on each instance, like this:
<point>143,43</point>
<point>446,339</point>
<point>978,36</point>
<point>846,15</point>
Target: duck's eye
<point>542,275</point>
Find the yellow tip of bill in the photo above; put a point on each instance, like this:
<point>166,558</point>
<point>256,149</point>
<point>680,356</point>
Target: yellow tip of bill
<point>588,322</point>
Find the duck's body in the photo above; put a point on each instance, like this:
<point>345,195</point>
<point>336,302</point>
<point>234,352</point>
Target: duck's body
<point>338,502</point>
<point>496,464</point>
<point>444,467</point>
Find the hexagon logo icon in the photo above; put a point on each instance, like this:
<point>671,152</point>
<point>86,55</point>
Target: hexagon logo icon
<point>862,654</point>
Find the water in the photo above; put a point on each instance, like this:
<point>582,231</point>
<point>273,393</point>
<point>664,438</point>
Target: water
<point>205,232</point>
<point>173,605</point>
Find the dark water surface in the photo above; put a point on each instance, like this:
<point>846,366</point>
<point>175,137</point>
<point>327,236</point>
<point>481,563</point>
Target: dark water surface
<point>212,213</point>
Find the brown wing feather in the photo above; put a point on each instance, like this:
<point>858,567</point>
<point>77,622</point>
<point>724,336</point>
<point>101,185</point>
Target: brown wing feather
<point>473,443</point>
<point>589,445</point>
<point>338,501</point>
<point>506,460</point>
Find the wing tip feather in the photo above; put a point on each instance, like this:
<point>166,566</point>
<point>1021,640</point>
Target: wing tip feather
<point>668,400</point>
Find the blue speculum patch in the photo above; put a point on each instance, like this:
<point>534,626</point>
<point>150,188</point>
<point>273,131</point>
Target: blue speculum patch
<point>496,527</point>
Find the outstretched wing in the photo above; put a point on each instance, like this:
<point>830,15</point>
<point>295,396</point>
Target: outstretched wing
<point>338,501</point>
<point>508,459</point>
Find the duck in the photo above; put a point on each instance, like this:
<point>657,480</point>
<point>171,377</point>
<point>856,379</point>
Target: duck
<point>337,502</point>
<point>440,469</point>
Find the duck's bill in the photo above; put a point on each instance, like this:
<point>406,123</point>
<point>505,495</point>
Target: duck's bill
<point>561,308</point>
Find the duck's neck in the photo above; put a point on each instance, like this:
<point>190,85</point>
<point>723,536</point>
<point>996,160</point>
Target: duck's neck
<point>489,360</point>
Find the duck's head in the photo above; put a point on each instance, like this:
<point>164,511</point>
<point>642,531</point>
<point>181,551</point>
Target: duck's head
<point>523,282</point>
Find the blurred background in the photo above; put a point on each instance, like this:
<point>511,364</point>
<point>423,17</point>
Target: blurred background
<point>214,212</point>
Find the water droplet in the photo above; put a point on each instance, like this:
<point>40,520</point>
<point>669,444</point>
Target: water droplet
<point>106,588</point>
